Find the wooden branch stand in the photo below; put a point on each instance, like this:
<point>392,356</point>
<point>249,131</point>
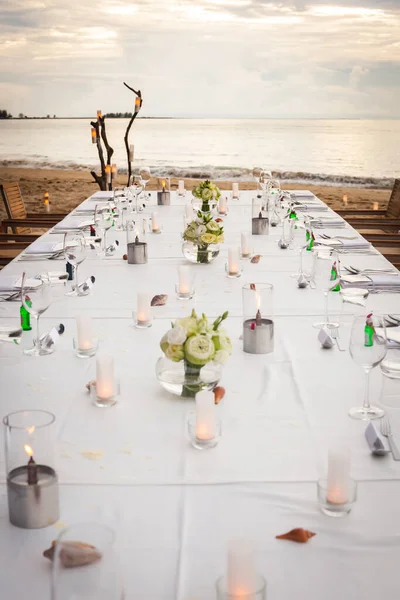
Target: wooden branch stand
<point>105,180</point>
<point>138,106</point>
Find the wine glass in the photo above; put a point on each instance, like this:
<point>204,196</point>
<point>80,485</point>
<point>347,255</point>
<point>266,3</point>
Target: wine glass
<point>104,219</point>
<point>145,175</point>
<point>368,349</point>
<point>256,174</point>
<point>121,202</point>
<point>75,253</point>
<point>36,301</point>
<point>136,189</point>
<point>90,549</point>
<point>264,181</point>
<point>325,268</point>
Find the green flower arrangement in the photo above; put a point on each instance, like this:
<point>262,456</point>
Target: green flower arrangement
<point>197,342</point>
<point>206,191</point>
<point>203,231</point>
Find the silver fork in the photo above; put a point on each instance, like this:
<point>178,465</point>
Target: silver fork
<point>386,430</point>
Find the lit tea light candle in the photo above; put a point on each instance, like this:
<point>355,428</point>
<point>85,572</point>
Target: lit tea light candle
<point>376,206</point>
<point>205,415</point>
<point>235,190</point>
<point>233,261</point>
<point>131,152</point>
<point>181,187</point>
<point>108,173</point>
<point>143,309</point>
<point>345,200</point>
<point>222,205</point>
<point>46,201</point>
<point>138,104</point>
<point>155,225</point>
<point>338,477</point>
<point>104,376</point>
<point>94,135</point>
<point>99,115</point>
<point>245,244</point>
<point>114,169</point>
<point>184,280</point>
<point>241,576</point>
<point>84,330</point>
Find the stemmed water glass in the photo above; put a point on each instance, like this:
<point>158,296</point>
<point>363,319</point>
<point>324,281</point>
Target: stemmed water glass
<point>75,252</point>
<point>264,182</point>
<point>326,260</point>
<point>86,565</point>
<point>145,175</point>
<point>256,174</point>
<point>368,349</point>
<point>136,189</point>
<point>121,202</point>
<point>36,301</point>
<point>104,219</point>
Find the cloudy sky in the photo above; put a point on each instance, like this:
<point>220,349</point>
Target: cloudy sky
<point>201,57</point>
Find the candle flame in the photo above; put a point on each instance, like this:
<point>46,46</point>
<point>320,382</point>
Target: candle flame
<point>258,300</point>
<point>163,182</point>
<point>28,450</point>
<point>376,206</point>
<point>30,430</point>
<point>108,168</point>
<point>345,199</point>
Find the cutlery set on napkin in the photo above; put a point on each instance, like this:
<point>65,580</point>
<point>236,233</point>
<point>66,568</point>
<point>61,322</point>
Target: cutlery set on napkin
<point>373,282</point>
<point>328,223</point>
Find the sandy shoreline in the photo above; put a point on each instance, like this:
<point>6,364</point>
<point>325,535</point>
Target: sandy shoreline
<point>67,189</point>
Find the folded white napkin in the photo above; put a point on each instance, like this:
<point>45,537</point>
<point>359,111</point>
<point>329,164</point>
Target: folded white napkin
<point>311,207</point>
<point>73,223</point>
<point>372,282</point>
<point>44,248</point>
<point>8,283</point>
<point>299,193</point>
<point>103,195</point>
<point>359,243</point>
<point>392,333</point>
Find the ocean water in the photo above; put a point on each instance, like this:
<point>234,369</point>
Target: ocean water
<point>352,152</point>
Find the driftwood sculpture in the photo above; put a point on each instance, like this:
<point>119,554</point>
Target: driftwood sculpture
<point>99,134</point>
<point>129,150</point>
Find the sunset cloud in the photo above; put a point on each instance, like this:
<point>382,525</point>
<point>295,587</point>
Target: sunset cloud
<point>202,57</point>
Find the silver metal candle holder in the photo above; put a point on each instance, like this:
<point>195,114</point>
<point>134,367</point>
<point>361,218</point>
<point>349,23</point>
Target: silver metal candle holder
<point>163,198</point>
<point>258,330</point>
<point>32,483</point>
<point>260,225</point>
<point>137,252</point>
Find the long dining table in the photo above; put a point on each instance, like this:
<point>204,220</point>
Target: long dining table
<point>175,508</point>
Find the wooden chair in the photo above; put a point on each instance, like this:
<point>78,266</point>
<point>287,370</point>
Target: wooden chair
<point>18,219</point>
<point>392,211</point>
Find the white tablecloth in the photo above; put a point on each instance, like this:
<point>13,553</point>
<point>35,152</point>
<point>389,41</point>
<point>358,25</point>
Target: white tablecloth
<point>173,507</point>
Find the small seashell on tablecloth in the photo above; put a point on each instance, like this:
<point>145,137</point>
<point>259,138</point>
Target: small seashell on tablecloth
<point>253,287</point>
<point>255,259</point>
<point>125,257</point>
<point>74,554</point>
<point>159,300</point>
<point>219,220</point>
<point>89,384</point>
<point>299,535</point>
<point>219,393</point>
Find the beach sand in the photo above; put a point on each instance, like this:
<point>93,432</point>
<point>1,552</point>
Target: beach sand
<point>67,189</point>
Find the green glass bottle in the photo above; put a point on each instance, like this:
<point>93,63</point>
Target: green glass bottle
<point>369,332</point>
<point>334,276</point>
<point>25,316</point>
<point>311,242</point>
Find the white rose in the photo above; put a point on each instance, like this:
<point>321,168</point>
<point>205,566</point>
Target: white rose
<point>200,230</point>
<point>221,357</point>
<point>176,335</point>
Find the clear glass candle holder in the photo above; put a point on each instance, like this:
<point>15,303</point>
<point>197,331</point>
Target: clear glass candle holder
<point>103,402</point>
<point>233,275</point>
<point>331,508</point>
<point>203,444</point>
<point>185,295</point>
<point>141,324</point>
<point>32,482</point>
<point>85,352</point>
<point>224,593</point>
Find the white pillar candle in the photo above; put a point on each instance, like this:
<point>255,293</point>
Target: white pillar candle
<point>222,208</point>
<point>143,308</point>
<point>245,244</point>
<point>189,211</point>
<point>241,576</point>
<point>235,190</point>
<point>104,376</point>
<point>184,279</point>
<point>85,332</point>
<point>181,187</point>
<point>155,225</point>
<point>205,415</point>
<point>131,152</point>
<point>233,260</point>
<point>337,491</point>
